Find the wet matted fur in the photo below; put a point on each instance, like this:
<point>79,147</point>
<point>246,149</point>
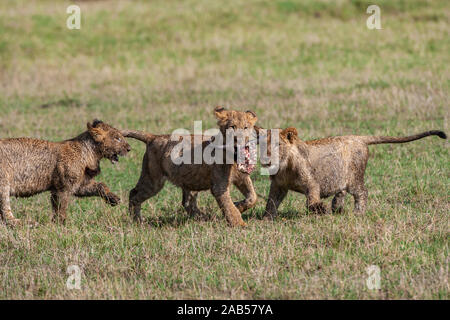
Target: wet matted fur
<point>157,167</point>
<point>30,166</point>
<point>326,167</point>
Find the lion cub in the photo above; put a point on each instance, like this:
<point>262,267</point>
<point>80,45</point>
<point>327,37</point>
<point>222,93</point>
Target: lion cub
<point>325,167</point>
<point>158,167</point>
<point>30,166</point>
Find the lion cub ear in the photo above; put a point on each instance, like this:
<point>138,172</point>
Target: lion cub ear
<point>221,113</point>
<point>251,116</point>
<point>97,133</point>
<point>290,134</point>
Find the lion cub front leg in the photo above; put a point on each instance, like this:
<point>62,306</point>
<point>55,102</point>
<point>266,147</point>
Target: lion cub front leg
<point>276,196</point>
<point>220,190</point>
<point>6,207</point>
<point>244,183</point>
<point>60,202</point>
<point>313,201</point>
<point>98,189</point>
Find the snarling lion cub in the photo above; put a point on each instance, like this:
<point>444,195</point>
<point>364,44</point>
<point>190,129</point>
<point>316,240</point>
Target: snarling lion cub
<point>31,166</point>
<point>325,167</point>
<point>158,166</point>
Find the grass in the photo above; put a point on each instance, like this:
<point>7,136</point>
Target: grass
<point>159,66</point>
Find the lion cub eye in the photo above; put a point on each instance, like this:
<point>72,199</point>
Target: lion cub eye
<point>233,127</point>
<point>118,139</point>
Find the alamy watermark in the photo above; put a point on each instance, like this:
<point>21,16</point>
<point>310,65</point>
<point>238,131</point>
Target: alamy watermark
<point>374,21</point>
<point>74,280</point>
<point>373,281</point>
<point>74,20</point>
<point>232,146</point>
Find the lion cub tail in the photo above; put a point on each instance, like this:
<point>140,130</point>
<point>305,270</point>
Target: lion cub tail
<point>139,135</point>
<point>378,140</point>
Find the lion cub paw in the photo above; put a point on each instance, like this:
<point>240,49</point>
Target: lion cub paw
<point>13,222</point>
<point>242,224</point>
<point>112,199</point>
<point>318,208</point>
<point>200,216</point>
<point>269,217</point>
<point>238,223</point>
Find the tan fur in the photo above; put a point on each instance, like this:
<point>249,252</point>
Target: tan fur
<point>327,167</point>
<point>157,167</point>
<point>30,166</point>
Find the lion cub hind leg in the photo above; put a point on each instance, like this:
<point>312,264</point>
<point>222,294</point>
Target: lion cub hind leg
<point>5,207</point>
<point>147,187</point>
<point>190,205</point>
<point>360,195</point>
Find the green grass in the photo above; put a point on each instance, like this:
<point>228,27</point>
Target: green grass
<point>159,66</point>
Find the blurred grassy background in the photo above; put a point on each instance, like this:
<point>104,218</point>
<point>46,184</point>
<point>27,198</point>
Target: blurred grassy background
<point>159,66</point>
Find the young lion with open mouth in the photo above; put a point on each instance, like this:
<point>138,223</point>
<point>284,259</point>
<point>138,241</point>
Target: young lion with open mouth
<point>325,167</point>
<point>158,166</point>
<point>30,166</point>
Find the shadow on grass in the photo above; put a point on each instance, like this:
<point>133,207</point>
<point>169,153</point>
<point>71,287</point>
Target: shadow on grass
<point>176,219</point>
<point>289,214</point>
<point>180,217</point>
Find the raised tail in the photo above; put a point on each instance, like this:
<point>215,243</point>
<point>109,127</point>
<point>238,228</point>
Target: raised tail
<point>381,139</point>
<point>139,135</point>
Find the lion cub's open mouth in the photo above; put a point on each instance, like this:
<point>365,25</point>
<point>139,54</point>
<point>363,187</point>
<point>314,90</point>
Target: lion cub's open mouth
<point>115,158</point>
<point>249,155</point>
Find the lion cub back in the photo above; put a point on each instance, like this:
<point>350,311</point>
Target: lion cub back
<point>26,165</point>
<point>337,161</point>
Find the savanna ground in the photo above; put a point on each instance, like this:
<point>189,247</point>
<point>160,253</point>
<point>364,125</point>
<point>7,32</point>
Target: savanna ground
<point>159,66</point>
